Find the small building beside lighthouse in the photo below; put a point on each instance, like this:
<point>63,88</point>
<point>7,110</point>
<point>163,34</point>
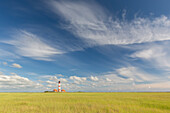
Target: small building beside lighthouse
<point>55,90</point>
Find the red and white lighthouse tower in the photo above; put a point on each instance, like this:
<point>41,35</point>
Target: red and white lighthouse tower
<point>59,86</point>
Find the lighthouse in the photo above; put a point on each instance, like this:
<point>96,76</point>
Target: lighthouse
<point>59,86</point>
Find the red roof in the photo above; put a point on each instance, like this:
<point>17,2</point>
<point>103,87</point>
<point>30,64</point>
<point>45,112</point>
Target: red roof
<point>55,90</point>
<point>63,90</point>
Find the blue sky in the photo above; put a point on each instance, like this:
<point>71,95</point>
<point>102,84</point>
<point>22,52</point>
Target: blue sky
<point>91,45</point>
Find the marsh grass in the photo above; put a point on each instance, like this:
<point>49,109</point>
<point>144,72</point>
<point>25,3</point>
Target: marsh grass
<point>84,102</point>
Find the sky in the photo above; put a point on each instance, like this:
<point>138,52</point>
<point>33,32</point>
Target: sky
<point>88,45</point>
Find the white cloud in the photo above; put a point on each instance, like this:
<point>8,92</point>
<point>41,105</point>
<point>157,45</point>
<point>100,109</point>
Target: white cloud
<point>81,79</point>
<point>51,82</point>
<point>151,52</point>
<point>114,78</point>
<point>8,55</point>
<point>109,80</point>
<point>122,79</point>
<point>16,82</point>
<point>16,65</point>
<point>94,78</point>
<point>14,74</point>
<point>5,63</point>
<point>134,74</point>
<point>158,86</point>
<point>156,54</point>
<point>93,23</point>
<point>50,85</point>
<point>59,75</point>
<point>128,79</point>
<point>31,73</point>
<point>146,54</point>
<point>77,82</point>
<point>54,78</point>
<point>62,80</point>
<point>30,45</point>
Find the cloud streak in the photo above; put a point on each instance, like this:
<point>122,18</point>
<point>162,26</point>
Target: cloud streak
<point>91,22</point>
<point>30,45</point>
<point>135,74</point>
<point>156,54</point>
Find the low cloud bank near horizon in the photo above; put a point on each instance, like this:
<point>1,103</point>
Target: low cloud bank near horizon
<point>123,79</point>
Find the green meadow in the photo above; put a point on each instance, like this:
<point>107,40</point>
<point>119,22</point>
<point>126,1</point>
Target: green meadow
<point>84,102</point>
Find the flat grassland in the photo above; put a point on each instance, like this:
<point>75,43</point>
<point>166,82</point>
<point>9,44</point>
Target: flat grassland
<point>84,102</point>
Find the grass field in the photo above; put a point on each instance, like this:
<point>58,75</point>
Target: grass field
<point>84,102</point>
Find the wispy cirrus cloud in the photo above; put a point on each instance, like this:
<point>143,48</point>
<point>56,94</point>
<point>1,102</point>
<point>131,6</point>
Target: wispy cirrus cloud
<point>135,74</point>
<point>8,55</point>
<point>94,24</point>
<point>33,46</point>
<point>156,54</point>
